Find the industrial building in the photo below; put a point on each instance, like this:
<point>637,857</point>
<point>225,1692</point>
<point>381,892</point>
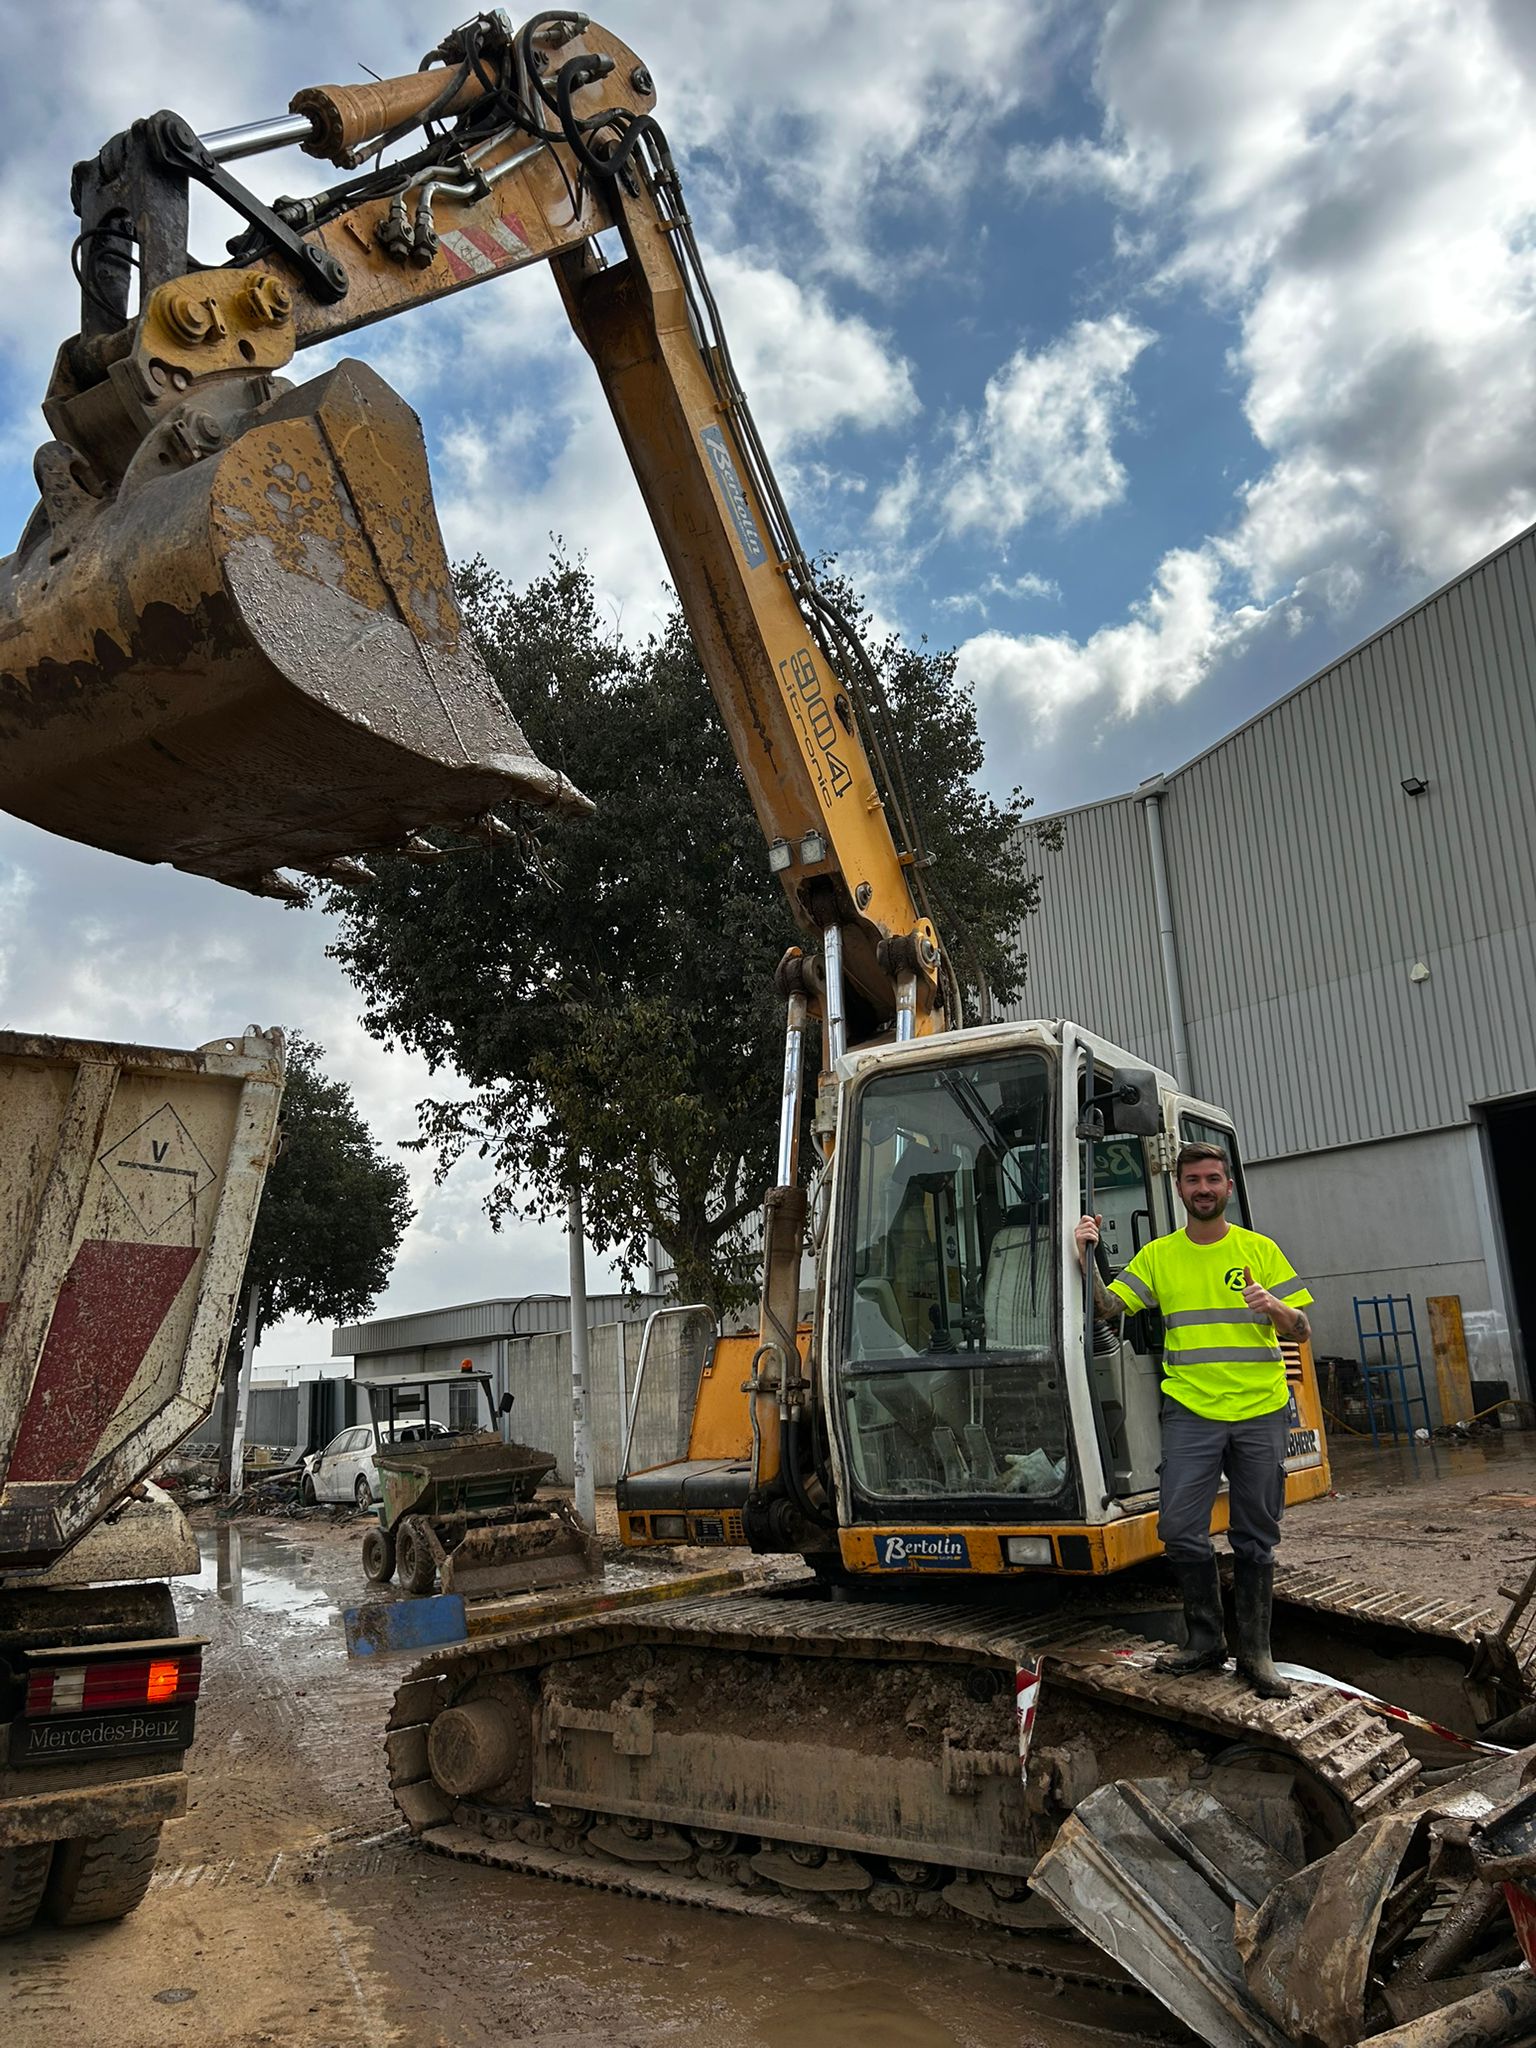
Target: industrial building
<point>1327,923</point>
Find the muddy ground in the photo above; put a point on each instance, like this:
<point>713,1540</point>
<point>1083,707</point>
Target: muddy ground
<point>288,1908</point>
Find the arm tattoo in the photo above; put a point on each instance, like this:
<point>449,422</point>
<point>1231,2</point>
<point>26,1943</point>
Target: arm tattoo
<point>1301,1329</point>
<point>1106,1307</point>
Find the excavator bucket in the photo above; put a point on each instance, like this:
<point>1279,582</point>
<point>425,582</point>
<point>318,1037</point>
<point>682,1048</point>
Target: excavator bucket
<point>249,656</point>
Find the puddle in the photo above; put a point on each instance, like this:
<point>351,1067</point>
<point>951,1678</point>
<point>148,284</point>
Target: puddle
<point>1359,1468</point>
<point>862,2014</point>
<point>262,1573</point>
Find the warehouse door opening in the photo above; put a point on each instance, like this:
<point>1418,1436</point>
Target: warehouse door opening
<point>1512,1149</point>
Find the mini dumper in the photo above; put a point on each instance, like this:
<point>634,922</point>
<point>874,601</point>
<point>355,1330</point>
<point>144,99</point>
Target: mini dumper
<point>457,1500</point>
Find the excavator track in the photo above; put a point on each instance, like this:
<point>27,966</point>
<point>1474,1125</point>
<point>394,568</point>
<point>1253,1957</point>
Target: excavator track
<point>1322,1590</point>
<point>581,1730</point>
<point>1387,1639</point>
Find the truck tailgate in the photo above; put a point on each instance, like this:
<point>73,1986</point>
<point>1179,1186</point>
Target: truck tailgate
<point>129,1182</point>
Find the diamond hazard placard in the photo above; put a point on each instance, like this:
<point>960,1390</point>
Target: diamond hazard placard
<point>159,1172</point>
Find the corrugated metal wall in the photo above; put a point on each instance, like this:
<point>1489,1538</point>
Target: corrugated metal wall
<point>1306,885</point>
<point>1093,948</point>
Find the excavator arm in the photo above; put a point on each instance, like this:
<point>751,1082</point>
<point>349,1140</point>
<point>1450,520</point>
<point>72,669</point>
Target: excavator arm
<point>232,640</point>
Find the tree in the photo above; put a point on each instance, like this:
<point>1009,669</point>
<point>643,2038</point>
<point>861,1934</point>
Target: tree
<point>332,1215</point>
<point>609,997</point>
<point>334,1209</point>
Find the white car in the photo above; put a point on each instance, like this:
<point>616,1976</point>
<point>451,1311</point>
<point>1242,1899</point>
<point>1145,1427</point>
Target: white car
<point>345,1471</point>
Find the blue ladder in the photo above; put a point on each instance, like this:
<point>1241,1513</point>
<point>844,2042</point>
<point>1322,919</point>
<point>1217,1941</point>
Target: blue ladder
<point>1389,1352</point>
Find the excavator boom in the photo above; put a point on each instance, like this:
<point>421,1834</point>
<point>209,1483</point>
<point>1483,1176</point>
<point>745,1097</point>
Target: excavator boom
<point>232,640</point>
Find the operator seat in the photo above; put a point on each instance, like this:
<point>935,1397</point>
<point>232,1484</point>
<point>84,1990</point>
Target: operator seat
<point>1017,1300</point>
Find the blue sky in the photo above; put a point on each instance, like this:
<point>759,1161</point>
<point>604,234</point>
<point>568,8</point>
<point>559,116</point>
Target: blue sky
<point>1148,354</point>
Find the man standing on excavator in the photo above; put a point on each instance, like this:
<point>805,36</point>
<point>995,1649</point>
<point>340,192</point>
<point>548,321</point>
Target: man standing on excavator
<point>1226,1296</point>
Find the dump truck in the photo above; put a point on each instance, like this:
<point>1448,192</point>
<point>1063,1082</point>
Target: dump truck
<point>221,567</point>
<point>129,1183</point>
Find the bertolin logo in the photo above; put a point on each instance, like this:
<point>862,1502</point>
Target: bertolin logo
<point>735,497</point>
<point>937,1549</point>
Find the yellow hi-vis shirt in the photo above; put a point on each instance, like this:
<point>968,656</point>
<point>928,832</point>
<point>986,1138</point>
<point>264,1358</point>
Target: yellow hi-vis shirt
<point>1222,1359</point>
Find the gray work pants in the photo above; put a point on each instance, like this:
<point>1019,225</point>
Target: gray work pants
<point>1196,1451</point>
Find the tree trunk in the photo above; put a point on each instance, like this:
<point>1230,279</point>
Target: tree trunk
<point>237,1393</point>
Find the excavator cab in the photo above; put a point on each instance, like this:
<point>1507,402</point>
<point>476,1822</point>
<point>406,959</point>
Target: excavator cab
<point>980,1418</point>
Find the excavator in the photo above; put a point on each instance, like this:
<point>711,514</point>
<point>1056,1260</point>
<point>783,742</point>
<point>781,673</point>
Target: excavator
<point>231,642</point>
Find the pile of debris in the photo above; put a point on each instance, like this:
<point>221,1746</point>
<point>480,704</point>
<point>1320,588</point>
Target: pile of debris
<point>1417,1932</point>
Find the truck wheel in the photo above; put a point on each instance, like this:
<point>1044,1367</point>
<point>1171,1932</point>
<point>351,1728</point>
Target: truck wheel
<point>102,1877</point>
<point>379,1556</point>
<point>23,1874</point>
<point>413,1557</point>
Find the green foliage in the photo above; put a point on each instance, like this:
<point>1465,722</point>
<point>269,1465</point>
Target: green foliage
<point>334,1208</point>
<point>609,998</point>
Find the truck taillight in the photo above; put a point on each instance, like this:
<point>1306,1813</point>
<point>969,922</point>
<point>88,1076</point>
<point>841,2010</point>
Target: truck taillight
<point>94,1688</point>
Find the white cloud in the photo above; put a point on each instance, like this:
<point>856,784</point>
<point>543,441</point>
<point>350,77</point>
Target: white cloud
<point>100,948</point>
<point>897,502</point>
<point>1367,201</point>
<point>1028,585</point>
<point>1043,442</point>
<point>1357,186</point>
<point>806,369</point>
<point>1019,588</point>
<point>875,115</point>
<point>1161,652</point>
<point>552,462</point>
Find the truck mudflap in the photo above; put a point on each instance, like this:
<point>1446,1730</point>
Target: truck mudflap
<point>1387,1938</point>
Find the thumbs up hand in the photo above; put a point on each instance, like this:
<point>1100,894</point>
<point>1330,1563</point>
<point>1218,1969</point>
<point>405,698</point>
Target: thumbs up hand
<point>1259,1299</point>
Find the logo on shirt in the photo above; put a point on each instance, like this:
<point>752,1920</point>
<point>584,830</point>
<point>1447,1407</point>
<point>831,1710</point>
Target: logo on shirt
<point>1234,1279</point>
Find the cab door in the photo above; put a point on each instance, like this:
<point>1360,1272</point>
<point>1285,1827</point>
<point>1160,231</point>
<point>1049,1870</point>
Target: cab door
<point>1127,1362</point>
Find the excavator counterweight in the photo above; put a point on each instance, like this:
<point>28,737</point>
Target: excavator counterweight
<point>249,655</point>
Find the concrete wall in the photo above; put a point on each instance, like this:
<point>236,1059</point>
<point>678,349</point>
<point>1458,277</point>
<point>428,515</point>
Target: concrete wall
<point>538,1371</point>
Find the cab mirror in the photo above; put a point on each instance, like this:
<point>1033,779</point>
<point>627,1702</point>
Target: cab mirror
<point>504,1405</point>
<point>1131,1108</point>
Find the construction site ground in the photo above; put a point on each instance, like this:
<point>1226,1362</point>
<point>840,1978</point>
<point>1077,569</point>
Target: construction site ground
<point>290,1908</point>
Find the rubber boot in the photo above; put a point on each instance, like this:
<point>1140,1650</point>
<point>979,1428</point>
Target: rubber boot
<point>1253,1592</point>
<point>1206,1646</point>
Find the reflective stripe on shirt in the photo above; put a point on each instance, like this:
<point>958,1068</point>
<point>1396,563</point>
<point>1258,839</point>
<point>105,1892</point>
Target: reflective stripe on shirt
<point>1183,1318</point>
<point>1137,1287</point>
